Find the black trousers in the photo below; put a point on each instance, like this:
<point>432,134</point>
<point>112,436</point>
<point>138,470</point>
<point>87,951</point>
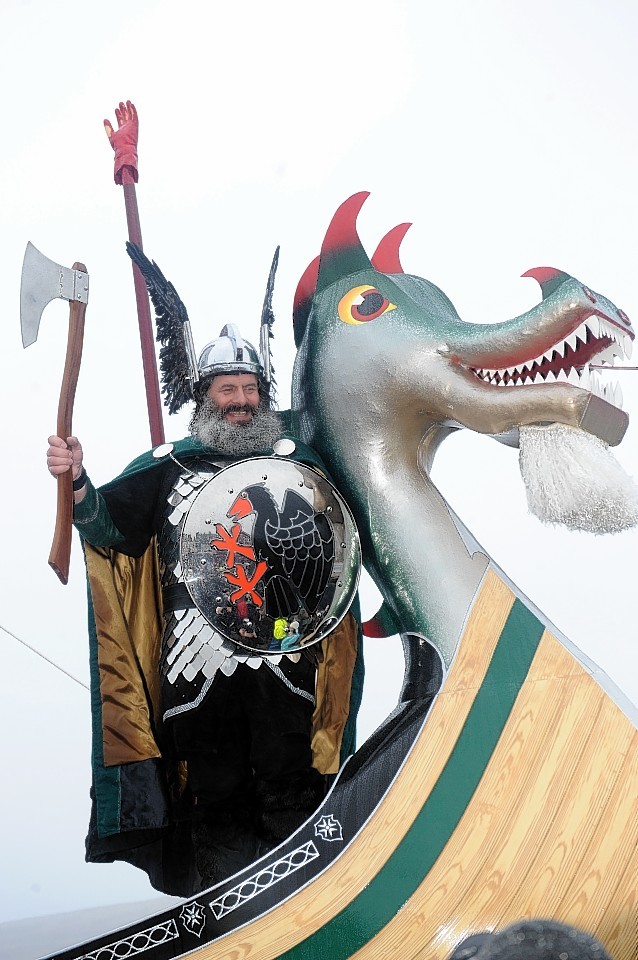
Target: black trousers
<point>250,735</point>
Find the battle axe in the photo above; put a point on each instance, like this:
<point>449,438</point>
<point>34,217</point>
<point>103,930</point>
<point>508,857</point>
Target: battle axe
<point>43,281</point>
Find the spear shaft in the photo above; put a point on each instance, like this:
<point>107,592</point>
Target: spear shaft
<point>151,381</point>
<point>124,143</point>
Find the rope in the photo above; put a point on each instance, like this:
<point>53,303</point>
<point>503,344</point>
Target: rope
<point>52,662</point>
<point>608,369</point>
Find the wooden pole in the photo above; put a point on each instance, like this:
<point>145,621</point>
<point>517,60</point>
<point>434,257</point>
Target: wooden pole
<point>151,381</point>
<point>124,143</point>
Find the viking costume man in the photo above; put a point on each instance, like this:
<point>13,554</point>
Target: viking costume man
<point>205,753</point>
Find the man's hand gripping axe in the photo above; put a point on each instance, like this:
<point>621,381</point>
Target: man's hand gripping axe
<point>43,281</point>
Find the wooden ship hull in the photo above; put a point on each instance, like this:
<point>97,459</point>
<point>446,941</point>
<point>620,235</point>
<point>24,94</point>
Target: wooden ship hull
<point>514,795</point>
<point>514,792</point>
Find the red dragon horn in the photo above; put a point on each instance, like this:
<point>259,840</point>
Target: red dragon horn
<point>385,258</point>
<point>548,278</point>
<point>303,299</point>
<point>342,253</point>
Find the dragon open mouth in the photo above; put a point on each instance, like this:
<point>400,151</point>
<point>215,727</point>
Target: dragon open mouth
<point>568,361</point>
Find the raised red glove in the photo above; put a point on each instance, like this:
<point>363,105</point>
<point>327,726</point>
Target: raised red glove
<point>124,142</point>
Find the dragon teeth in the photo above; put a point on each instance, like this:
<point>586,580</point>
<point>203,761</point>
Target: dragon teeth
<point>611,331</point>
<point>595,385</point>
<point>621,346</point>
<point>594,325</point>
<point>581,332</point>
<point>608,355</point>
<point>572,340</point>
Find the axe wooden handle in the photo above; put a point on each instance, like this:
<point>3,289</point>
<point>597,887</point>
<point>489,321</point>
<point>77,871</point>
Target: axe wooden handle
<point>60,555</point>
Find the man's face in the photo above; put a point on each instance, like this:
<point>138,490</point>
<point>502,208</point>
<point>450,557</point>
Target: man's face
<point>236,395</point>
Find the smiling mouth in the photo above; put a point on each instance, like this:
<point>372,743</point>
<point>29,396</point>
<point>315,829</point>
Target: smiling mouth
<point>568,361</point>
<point>237,410</point>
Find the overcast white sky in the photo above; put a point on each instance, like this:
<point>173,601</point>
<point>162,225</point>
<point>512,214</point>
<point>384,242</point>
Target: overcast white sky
<point>506,132</point>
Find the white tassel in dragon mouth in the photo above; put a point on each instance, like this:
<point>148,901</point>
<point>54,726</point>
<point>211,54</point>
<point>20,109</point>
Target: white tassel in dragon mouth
<point>568,361</point>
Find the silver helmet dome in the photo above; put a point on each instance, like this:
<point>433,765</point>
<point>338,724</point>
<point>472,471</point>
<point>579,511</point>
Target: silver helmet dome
<point>229,353</point>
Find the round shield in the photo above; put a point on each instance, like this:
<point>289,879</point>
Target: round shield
<point>270,554</point>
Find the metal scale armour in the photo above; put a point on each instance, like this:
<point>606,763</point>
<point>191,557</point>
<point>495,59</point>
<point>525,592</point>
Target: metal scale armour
<point>260,559</point>
<point>192,652</point>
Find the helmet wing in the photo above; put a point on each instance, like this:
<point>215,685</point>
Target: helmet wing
<point>173,331</point>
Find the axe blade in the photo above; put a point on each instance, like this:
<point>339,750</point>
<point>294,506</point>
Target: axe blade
<point>44,280</point>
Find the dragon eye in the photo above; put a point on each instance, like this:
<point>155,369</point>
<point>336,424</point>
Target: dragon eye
<point>362,304</point>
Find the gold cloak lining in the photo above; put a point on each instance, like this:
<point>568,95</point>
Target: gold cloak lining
<point>127,604</point>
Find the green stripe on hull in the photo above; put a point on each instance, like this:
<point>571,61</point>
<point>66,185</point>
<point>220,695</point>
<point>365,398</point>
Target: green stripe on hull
<point>414,857</point>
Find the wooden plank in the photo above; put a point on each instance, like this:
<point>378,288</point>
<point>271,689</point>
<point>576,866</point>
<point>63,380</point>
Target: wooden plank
<point>592,893</point>
<point>279,931</point>
<point>591,791</point>
<point>460,876</point>
<point>549,827</point>
<point>618,928</point>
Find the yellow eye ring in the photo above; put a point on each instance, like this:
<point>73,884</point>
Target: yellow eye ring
<point>363,304</point>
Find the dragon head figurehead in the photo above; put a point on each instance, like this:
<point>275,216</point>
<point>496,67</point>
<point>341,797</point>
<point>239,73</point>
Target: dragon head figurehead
<point>386,368</point>
<point>399,338</point>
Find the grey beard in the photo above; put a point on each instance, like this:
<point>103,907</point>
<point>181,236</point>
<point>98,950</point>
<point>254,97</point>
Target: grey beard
<point>209,426</point>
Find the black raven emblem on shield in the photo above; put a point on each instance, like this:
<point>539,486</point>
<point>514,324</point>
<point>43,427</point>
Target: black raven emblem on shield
<point>297,543</point>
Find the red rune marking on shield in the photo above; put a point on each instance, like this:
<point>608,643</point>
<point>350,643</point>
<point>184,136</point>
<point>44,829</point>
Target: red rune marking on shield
<point>247,584</point>
<point>230,541</point>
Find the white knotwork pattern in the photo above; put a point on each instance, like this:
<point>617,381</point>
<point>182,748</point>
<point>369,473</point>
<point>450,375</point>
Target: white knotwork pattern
<point>138,943</point>
<point>253,886</point>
